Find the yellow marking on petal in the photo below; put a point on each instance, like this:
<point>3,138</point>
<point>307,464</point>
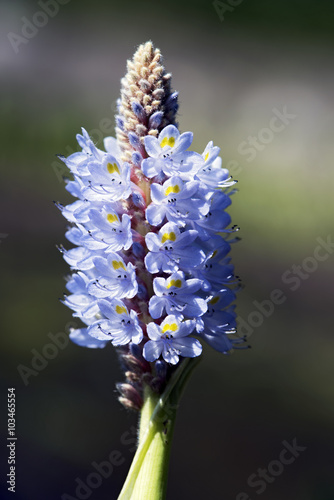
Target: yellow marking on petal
<point>168,236</point>
<point>177,283</point>
<point>214,254</point>
<point>172,189</point>
<point>112,168</point>
<point>116,264</point>
<point>206,156</point>
<point>112,218</point>
<point>167,141</point>
<point>173,327</point>
<point>120,310</point>
<point>214,300</point>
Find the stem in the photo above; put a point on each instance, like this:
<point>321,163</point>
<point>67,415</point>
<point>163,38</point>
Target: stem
<point>147,477</point>
<point>150,402</point>
<point>151,482</point>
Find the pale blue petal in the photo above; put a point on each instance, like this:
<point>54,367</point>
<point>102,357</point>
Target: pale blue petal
<point>96,332</point>
<point>153,331</point>
<point>156,307</point>
<point>170,356</point>
<point>186,327</point>
<point>169,131</point>
<point>183,143</point>
<point>155,214</point>
<point>195,307</point>
<point>107,308</point>
<point>152,262</point>
<point>188,347</point>
<point>111,146</point>
<point>152,241</point>
<point>152,350</point>
<point>159,285</point>
<point>152,146</point>
<point>219,342</point>
<point>83,339</point>
<point>149,167</point>
<point>157,193</point>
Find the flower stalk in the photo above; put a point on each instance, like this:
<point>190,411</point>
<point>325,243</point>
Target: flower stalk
<point>147,477</point>
<point>150,271</point>
<point>151,482</point>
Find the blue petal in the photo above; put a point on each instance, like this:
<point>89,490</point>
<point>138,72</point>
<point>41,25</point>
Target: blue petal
<point>188,347</point>
<point>152,146</point>
<point>152,350</point>
<point>149,167</point>
<point>83,339</point>
<point>184,142</point>
<point>155,214</point>
<point>219,342</point>
<point>153,331</point>
<point>156,307</point>
<point>152,263</point>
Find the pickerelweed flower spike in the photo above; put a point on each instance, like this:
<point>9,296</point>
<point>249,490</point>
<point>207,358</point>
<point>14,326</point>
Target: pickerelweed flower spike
<point>150,266</point>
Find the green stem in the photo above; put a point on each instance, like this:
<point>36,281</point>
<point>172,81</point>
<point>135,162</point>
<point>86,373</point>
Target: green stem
<point>151,482</point>
<point>147,477</point>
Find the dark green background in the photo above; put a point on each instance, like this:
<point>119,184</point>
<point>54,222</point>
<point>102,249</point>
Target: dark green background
<point>230,74</point>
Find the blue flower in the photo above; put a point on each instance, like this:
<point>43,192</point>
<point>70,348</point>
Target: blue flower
<point>80,301</point>
<point>108,180</point>
<point>217,326</point>
<point>76,212</point>
<point>119,325</point>
<point>214,273</point>
<point>170,339</point>
<point>219,317</point>
<point>109,229</point>
<point>177,295</point>
<point>169,250</point>
<point>177,201</point>
<point>89,152</point>
<point>80,235</point>
<point>115,278</point>
<point>210,154</point>
<point>168,155</point>
<point>76,187</point>
<point>79,258</point>
<point>215,220</point>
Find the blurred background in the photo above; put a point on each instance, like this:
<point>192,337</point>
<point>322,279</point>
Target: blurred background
<point>237,66</point>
